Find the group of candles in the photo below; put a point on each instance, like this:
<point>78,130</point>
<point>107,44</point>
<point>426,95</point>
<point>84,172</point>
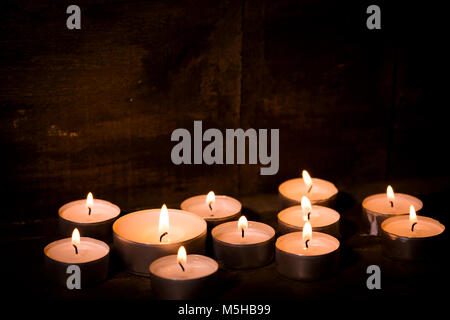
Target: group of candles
<point>155,242</point>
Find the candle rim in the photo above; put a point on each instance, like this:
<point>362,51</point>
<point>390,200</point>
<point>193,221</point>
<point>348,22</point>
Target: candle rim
<point>400,217</point>
<point>212,219</point>
<point>250,223</point>
<point>83,202</point>
<point>298,234</point>
<point>315,181</point>
<point>82,239</point>
<point>189,256</point>
<point>417,207</point>
<point>157,211</point>
<point>299,207</point>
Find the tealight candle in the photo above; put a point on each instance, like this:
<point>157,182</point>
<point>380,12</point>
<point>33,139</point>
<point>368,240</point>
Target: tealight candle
<point>144,236</point>
<point>378,207</point>
<point>215,209</point>
<point>90,255</point>
<point>243,244</point>
<point>320,192</point>
<point>322,219</point>
<point>182,276</point>
<point>410,237</point>
<point>307,255</point>
<point>94,218</point>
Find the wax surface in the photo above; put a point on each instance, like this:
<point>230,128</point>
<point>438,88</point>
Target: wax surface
<point>425,227</point>
<point>142,226</point>
<point>196,266</point>
<point>320,216</point>
<point>256,232</point>
<point>379,203</point>
<point>77,211</point>
<point>88,250</point>
<point>295,188</point>
<point>223,207</point>
<point>320,244</point>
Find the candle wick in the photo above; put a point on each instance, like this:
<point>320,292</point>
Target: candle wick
<point>306,243</point>
<point>242,233</point>
<point>309,215</point>
<point>412,226</point>
<point>392,203</point>
<point>89,213</point>
<point>309,190</point>
<point>182,268</point>
<point>160,238</point>
<point>76,249</point>
<point>210,206</point>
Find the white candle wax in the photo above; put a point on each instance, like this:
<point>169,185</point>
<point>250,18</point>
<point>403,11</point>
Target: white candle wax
<point>320,244</point>
<point>294,189</point>
<point>77,211</point>
<point>196,266</point>
<point>142,226</point>
<point>425,227</point>
<point>319,217</point>
<point>88,250</point>
<point>256,232</point>
<point>379,203</point>
<point>222,207</point>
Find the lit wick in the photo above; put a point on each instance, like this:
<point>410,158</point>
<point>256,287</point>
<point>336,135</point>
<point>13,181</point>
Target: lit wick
<point>392,203</point>
<point>309,215</point>
<point>182,268</point>
<point>76,249</point>
<point>160,238</point>
<point>89,202</point>
<point>309,189</point>
<point>242,232</point>
<point>210,198</point>
<point>412,226</point>
<point>306,243</point>
<point>89,212</point>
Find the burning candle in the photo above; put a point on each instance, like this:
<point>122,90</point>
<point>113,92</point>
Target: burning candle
<point>307,255</point>
<point>144,236</point>
<point>94,218</point>
<point>243,244</point>
<point>91,255</point>
<point>322,219</point>
<point>410,237</point>
<point>378,207</point>
<point>183,276</point>
<point>215,209</point>
<point>320,192</point>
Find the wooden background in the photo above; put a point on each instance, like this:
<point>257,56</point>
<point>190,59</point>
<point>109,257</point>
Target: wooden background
<point>93,109</point>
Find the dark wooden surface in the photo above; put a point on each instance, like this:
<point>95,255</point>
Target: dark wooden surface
<point>93,109</point>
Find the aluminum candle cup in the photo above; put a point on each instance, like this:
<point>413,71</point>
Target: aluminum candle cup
<point>253,250</point>
<point>377,208</point>
<point>170,282</point>
<point>216,211</point>
<point>399,242</point>
<point>320,260</point>
<point>322,192</point>
<point>92,259</point>
<point>137,237</point>
<point>97,224</point>
<point>322,219</point>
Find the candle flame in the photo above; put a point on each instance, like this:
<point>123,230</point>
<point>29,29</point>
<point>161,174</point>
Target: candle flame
<point>89,200</point>
<point>163,220</point>
<point>242,223</point>
<point>390,194</point>
<point>307,179</point>
<point>412,215</point>
<point>306,207</point>
<point>182,256</point>
<point>75,237</point>
<point>210,198</point>
<point>307,233</point>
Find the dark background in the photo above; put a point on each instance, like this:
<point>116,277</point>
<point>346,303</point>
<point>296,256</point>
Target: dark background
<point>93,109</point>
